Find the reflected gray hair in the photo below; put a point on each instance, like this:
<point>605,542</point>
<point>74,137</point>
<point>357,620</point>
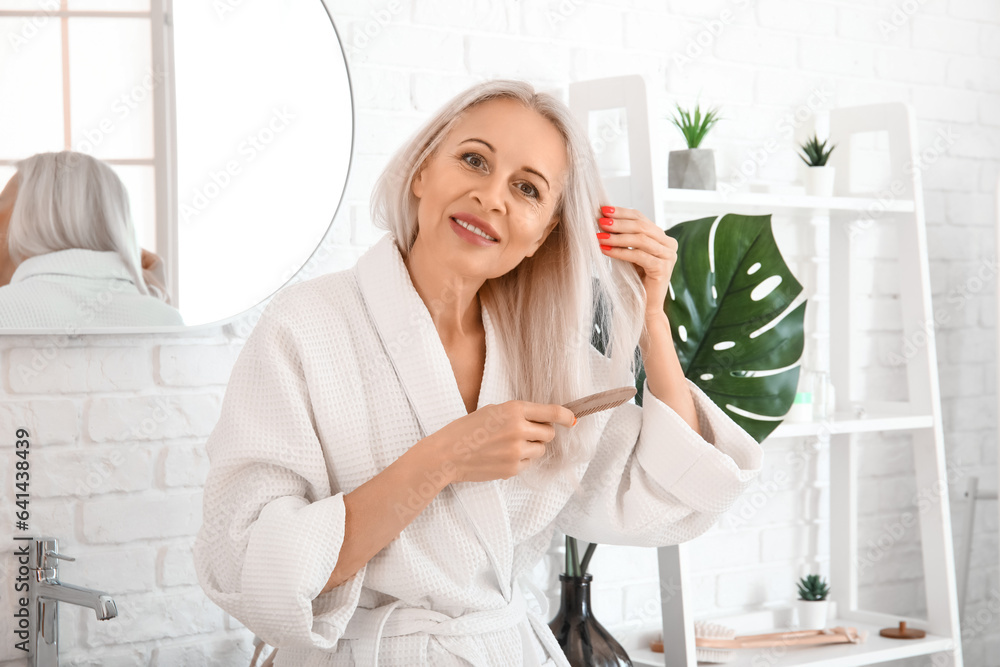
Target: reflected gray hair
<point>546,307</point>
<point>72,200</point>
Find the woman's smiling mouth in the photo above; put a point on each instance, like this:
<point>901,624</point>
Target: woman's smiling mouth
<point>472,233</point>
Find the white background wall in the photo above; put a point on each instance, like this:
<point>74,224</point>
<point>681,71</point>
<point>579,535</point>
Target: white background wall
<point>120,421</point>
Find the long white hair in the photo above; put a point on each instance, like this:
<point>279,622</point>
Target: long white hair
<point>72,200</point>
<point>545,308</point>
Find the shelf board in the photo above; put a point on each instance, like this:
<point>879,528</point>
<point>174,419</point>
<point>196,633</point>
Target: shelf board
<point>874,649</point>
<point>715,199</point>
<point>844,423</point>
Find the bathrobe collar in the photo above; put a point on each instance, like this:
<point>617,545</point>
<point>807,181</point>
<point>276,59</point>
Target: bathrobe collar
<point>414,347</point>
<point>73,264</point>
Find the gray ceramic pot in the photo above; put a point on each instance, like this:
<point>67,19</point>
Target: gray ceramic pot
<point>692,169</point>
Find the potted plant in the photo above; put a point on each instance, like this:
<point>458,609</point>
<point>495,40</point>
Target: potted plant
<point>694,168</point>
<point>812,602</point>
<point>819,175</point>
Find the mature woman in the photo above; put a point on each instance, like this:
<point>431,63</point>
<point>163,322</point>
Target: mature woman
<point>393,455</point>
<point>71,259</point>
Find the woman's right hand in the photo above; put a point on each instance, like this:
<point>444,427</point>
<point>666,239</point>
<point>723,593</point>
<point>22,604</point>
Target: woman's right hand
<point>498,441</point>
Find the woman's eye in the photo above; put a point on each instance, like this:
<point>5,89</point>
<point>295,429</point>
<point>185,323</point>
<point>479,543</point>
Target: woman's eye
<point>470,157</point>
<point>532,191</point>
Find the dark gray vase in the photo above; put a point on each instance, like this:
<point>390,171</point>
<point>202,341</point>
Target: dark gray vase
<point>692,169</point>
<point>584,641</point>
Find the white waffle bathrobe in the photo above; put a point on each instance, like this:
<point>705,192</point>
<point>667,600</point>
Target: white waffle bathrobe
<point>342,374</point>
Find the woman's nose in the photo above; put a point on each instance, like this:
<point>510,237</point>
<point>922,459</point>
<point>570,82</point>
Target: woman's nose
<point>492,193</point>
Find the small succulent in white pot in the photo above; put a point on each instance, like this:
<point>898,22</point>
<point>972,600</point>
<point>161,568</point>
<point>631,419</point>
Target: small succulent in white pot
<point>694,168</point>
<point>812,603</point>
<point>819,175</point>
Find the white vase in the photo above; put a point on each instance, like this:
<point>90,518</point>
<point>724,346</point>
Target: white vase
<point>819,181</point>
<point>812,614</point>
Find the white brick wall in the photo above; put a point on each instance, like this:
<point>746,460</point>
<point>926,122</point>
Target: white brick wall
<point>120,422</point>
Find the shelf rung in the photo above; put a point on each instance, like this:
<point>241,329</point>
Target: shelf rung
<point>846,424</point>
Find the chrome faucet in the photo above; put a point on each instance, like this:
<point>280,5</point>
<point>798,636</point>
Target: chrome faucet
<point>45,594</point>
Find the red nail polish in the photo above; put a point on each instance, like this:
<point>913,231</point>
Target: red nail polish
<point>608,210</point>
<point>604,235</point>
<point>605,247</point>
<point>607,222</point>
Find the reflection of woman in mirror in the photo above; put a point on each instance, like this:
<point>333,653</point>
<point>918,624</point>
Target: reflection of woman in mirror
<point>393,457</point>
<point>70,257</point>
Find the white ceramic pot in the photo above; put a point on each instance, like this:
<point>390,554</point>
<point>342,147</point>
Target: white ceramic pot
<point>812,614</point>
<point>819,181</point>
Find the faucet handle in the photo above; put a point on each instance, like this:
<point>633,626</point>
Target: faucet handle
<point>53,554</point>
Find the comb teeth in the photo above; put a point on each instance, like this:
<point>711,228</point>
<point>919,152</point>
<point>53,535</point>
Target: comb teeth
<point>602,400</point>
<point>599,408</point>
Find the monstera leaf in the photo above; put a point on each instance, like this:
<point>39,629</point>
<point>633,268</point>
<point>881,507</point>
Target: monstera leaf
<point>728,293</point>
<point>728,289</point>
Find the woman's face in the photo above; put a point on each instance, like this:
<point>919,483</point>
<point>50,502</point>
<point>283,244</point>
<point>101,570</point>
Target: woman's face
<point>502,167</point>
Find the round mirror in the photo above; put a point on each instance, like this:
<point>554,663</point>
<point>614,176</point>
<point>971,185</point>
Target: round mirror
<point>229,126</point>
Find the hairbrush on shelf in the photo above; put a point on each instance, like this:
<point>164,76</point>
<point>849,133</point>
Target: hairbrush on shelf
<point>602,400</point>
<point>715,643</point>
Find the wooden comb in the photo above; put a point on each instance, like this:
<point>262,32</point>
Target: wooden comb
<point>602,400</point>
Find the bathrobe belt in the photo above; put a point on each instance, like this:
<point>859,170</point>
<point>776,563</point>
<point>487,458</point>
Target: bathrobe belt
<point>369,626</point>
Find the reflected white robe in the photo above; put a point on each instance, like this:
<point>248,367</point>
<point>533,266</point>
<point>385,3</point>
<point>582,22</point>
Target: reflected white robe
<point>342,374</point>
<point>76,288</point>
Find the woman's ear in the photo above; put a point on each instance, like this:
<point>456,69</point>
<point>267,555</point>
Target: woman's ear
<point>417,184</point>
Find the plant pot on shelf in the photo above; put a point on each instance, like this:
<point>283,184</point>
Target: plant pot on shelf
<point>691,169</point>
<point>583,640</point>
<point>819,181</point>
<point>812,614</point>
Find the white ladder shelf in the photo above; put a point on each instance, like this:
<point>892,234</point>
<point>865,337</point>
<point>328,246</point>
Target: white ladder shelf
<point>834,219</point>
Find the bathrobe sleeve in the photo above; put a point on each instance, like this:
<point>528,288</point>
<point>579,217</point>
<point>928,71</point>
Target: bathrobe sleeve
<point>654,481</point>
<point>272,526</point>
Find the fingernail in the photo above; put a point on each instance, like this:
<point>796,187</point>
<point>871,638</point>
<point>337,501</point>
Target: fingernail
<point>605,247</point>
<point>606,222</point>
<point>603,235</point>
<point>574,421</point>
<point>608,210</point>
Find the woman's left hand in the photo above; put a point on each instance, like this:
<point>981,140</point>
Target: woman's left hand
<point>634,237</point>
